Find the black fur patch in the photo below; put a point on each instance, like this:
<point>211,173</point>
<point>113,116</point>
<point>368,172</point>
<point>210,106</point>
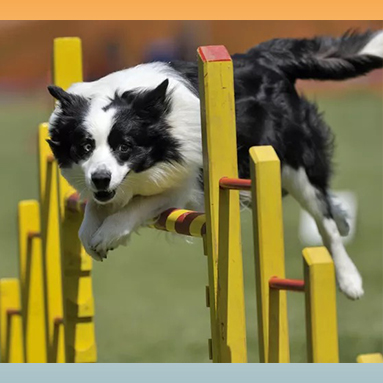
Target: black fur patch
<point>140,135</point>
<point>269,110</point>
<point>320,58</point>
<point>69,140</point>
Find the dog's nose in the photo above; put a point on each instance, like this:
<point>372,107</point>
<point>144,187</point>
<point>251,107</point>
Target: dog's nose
<point>101,179</point>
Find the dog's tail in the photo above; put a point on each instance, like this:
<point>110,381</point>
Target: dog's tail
<point>324,58</point>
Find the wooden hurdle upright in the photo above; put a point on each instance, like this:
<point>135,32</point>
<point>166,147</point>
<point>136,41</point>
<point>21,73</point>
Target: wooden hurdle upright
<point>55,303</point>
<point>47,314</point>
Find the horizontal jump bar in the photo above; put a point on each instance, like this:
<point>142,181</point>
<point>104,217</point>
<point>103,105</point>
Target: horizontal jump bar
<point>14,312</point>
<point>58,320</point>
<point>286,284</point>
<point>235,183</point>
<point>73,203</point>
<point>186,222</point>
<point>34,234</point>
<point>50,158</point>
<point>180,221</point>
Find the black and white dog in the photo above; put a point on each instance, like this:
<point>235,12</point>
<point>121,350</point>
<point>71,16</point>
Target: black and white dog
<point>130,142</point>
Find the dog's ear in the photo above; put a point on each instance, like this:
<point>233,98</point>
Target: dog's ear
<point>65,98</point>
<point>128,97</point>
<point>54,145</point>
<point>152,103</point>
<point>157,95</point>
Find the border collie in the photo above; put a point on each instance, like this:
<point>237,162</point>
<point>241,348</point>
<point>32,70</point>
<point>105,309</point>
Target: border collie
<point>130,143</point>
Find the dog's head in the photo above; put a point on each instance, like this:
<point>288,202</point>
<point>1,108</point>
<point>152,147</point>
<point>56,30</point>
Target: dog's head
<point>99,143</point>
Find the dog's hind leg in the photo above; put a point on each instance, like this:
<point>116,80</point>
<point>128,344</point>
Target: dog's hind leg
<point>340,215</point>
<point>319,206</point>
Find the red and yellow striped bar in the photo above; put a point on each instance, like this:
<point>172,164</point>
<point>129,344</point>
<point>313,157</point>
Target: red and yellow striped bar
<point>180,221</point>
<point>235,183</point>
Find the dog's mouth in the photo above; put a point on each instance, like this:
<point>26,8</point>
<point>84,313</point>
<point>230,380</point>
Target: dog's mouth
<point>104,195</point>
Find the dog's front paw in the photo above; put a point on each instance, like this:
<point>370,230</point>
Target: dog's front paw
<point>108,237</point>
<point>96,255</point>
<point>350,282</point>
<point>85,238</point>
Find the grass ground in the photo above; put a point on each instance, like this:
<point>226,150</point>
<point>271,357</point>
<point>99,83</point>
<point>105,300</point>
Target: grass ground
<point>150,297</point>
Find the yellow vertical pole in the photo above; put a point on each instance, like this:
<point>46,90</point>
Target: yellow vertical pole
<point>76,264</point>
<point>274,326</point>
<point>67,61</point>
<point>50,234</point>
<point>321,321</point>
<point>31,280</point>
<point>223,241</point>
<point>11,327</point>
<point>370,358</point>
<point>268,245</point>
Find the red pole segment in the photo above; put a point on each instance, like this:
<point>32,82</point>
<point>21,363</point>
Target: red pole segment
<point>287,284</point>
<point>34,234</point>
<point>13,312</point>
<point>235,183</point>
<point>73,203</point>
<point>50,159</point>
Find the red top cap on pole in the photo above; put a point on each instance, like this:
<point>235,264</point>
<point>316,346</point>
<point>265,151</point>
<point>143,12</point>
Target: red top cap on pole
<point>214,53</point>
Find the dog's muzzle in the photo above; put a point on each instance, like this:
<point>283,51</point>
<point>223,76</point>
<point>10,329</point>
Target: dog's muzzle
<point>104,195</point>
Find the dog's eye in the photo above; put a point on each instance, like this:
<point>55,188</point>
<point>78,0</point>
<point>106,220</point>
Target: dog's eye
<point>123,148</point>
<point>87,148</point>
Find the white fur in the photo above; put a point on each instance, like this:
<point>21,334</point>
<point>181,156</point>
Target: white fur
<point>160,187</point>
<point>341,216</point>
<point>99,123</point>
<point>299,186</point>
<point>93,218</point>
<point>374,47</point>
<point>117,227</point>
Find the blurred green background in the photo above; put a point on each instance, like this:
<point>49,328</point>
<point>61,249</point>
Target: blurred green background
<point>150,296</point>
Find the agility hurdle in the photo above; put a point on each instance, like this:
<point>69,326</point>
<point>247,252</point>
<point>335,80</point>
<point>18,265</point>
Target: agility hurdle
<point>56,304</point>
<point>47,314</point>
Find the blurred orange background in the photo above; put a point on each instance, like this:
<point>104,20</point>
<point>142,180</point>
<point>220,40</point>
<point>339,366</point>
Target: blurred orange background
<point>25,46</point>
